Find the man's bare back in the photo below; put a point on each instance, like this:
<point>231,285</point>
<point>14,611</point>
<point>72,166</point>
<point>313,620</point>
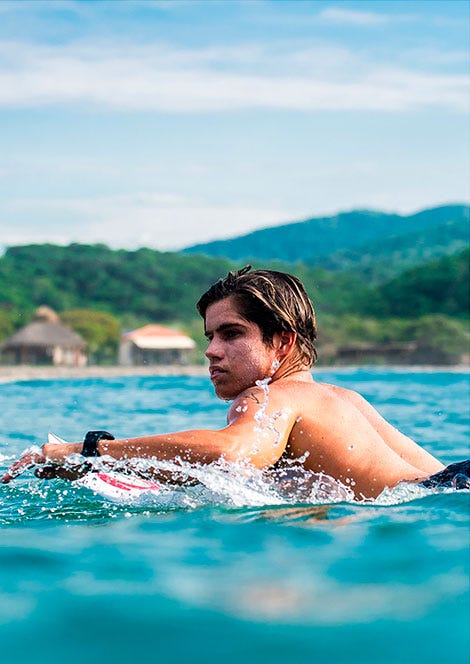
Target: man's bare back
<point>335,430</point>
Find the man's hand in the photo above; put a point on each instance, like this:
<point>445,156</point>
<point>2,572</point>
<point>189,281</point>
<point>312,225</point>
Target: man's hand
<point>67,472</point>
<point>31,458</point>
<point>55,455</point>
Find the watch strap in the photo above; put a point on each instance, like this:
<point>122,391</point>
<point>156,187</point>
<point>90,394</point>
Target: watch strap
<point>91,440</point>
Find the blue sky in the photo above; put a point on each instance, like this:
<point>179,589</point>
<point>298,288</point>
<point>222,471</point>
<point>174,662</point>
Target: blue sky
<point>164,123</point>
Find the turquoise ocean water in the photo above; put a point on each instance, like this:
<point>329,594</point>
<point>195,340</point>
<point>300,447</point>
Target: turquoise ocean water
<point>239,573</point>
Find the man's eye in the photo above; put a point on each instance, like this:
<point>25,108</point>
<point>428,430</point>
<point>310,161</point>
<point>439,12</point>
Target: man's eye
<point>231,334</point>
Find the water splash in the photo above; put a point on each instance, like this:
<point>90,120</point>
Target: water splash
<point>403,492</point>
<point>191,486</point>
<point>265,422</point>
<point>240,484</point>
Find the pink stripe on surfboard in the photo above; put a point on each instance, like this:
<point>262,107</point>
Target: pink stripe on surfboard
<point>144,485</point>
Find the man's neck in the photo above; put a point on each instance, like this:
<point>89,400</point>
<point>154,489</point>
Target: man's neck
<point>293,372</point>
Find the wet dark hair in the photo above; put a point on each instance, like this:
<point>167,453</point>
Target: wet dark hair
<point>275,301</point>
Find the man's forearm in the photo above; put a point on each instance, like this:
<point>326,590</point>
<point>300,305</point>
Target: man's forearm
<point>201,446</point>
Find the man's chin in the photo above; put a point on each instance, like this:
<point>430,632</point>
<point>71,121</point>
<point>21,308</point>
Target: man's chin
<point>225,396</point>
<point>224,392</point>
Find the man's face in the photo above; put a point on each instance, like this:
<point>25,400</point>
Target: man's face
<point>237,354</point>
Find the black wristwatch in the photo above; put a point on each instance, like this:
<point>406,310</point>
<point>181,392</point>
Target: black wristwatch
<point>91,440</point>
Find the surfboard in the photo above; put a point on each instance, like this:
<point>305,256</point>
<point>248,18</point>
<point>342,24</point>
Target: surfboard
<point>119,487</point>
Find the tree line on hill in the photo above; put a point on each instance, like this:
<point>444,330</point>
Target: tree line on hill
<point>377,245</point>
<point>99,292</point>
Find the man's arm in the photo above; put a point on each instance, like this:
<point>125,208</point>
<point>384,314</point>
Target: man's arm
<point>253,433</point>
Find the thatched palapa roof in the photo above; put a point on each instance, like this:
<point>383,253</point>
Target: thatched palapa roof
<point>44,331</point>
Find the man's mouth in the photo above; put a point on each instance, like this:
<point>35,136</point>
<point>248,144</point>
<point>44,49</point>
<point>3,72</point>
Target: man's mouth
<point>215,372</point>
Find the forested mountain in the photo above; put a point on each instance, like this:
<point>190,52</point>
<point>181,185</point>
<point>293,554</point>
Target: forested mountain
<point>148,285</point>
<point>384,259</point>
<point>354,239</point>
<point>440,286</point>
<point>137,285</point>
<point>102,288</point>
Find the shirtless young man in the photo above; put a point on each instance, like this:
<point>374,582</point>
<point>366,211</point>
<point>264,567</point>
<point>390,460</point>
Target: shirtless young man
<point>260,327</point>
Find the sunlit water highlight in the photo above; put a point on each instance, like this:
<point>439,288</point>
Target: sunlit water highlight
<point>238,565</point>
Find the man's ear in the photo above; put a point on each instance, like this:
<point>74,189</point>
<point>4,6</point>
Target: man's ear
<point>286,343</point>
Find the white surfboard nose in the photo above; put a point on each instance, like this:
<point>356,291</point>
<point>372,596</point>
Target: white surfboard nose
<point>52,438</point>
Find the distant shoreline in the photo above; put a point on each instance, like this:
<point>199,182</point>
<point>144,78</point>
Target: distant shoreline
<point>21,373</point>
<point>10,374</point>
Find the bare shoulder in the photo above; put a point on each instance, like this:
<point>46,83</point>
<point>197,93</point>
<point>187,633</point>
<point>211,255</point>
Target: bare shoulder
<point>314,392</point>
<point>246,403</point>
<point>278,397</point>
<point>343,392</point>
<point>293,396</point>
<point>358,401</point>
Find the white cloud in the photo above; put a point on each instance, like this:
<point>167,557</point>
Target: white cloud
<point>171,222</point>
<point>170,80</point>
<point>353,17</point>
<point>411,14</point>
<point>162,221</point>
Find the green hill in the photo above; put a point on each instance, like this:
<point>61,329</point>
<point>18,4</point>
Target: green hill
<point>441,286</point>
<point>384,259</point>
<point>147,285</point>
<point>137,287</point>
<point>359,239</point>
<point>143,284</point>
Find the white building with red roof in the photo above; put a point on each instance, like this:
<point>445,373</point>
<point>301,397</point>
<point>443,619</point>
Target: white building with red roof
<point>155,344</point>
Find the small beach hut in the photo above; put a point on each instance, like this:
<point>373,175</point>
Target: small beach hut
<point>154,344</point>
<point>45,341</point>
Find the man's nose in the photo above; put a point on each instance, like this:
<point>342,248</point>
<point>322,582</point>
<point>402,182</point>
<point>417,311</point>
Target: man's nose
<point>213,350</point>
